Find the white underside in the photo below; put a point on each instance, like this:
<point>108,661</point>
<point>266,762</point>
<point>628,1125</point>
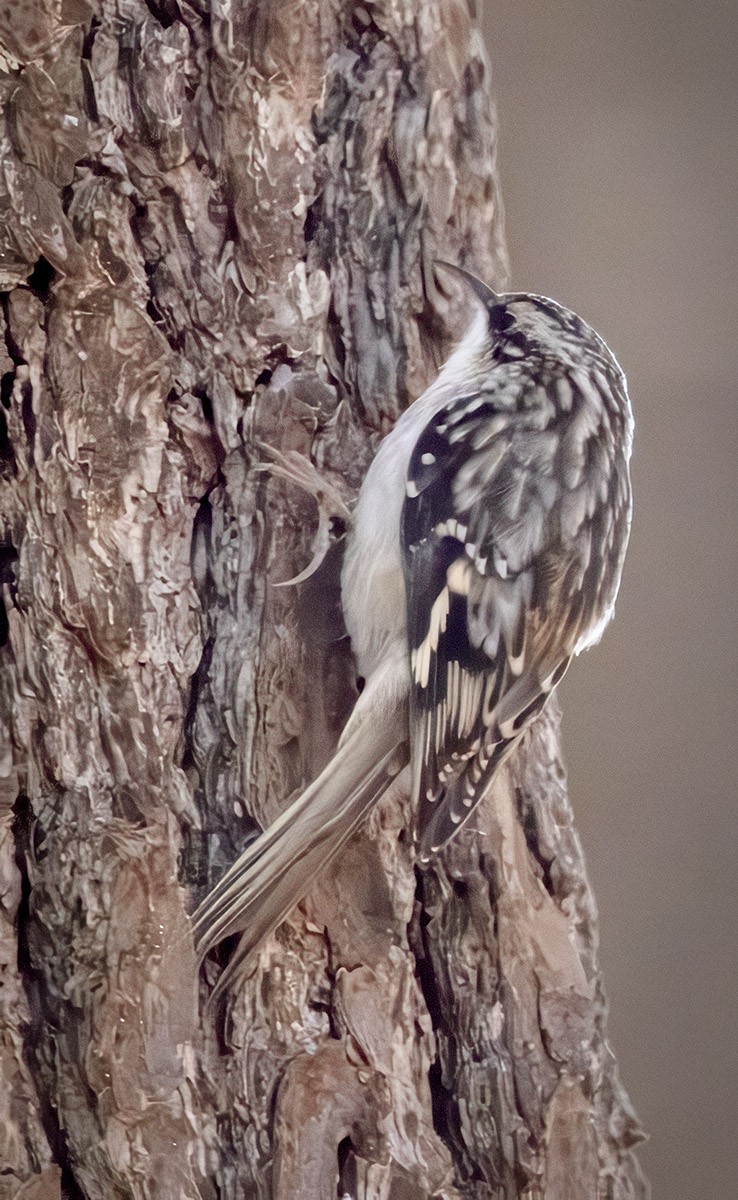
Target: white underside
<point>373,586</point>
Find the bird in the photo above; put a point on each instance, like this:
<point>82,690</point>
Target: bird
<point>485,551</point>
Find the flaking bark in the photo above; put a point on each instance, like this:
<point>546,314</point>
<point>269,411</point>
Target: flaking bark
<point>217,224</point>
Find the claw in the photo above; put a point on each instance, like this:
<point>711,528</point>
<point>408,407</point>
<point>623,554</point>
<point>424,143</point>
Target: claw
<point>296,468</point>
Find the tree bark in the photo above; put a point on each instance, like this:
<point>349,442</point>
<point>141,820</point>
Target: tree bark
<point>217,224</point>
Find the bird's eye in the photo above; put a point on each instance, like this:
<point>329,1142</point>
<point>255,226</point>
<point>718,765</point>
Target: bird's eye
<point>500,318</point>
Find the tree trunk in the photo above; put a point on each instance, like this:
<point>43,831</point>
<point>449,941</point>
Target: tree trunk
<point>217,224</point>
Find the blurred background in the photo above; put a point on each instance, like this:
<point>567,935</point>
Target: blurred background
<point>618,163</point>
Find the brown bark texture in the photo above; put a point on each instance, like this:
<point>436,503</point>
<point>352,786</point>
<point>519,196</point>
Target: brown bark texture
<point>217,224</point>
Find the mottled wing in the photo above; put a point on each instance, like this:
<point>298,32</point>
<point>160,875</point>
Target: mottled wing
<point>512,493</point>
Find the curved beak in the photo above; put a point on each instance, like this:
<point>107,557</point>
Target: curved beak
<point>483,293</point>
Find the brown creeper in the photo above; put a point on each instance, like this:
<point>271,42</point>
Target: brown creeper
<point>486,550</point>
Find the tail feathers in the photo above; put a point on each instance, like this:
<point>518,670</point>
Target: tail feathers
<point>277,869</point>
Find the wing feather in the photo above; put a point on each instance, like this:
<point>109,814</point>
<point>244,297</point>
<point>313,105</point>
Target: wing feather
<point>501,511</point>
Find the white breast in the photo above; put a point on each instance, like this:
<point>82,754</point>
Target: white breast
<point>372,583</point>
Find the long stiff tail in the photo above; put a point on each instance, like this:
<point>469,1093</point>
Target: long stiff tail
<point>278,868</point>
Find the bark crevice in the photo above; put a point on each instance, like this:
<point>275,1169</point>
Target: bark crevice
<point>36,1026</point>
